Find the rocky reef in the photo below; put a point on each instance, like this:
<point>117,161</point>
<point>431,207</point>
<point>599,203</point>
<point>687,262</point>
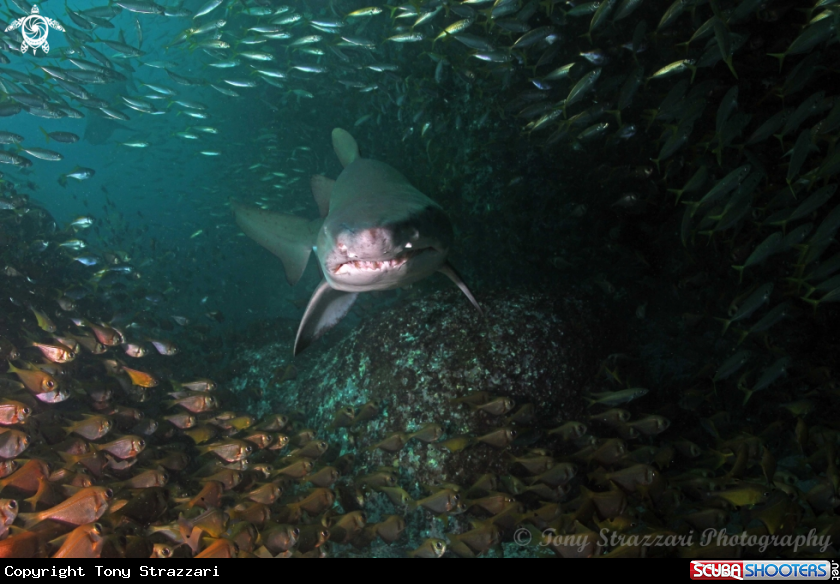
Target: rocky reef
<point>541,350</point>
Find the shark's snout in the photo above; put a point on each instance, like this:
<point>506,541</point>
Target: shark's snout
<point>375,249</point>
<point>386,255</point>
<point>376,242</point>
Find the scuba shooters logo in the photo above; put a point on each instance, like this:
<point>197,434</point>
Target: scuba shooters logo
<point>35,29</point>
<point>797,570</point>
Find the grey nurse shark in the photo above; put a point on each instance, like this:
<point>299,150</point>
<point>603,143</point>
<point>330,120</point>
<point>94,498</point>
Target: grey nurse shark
<point>377,232</point>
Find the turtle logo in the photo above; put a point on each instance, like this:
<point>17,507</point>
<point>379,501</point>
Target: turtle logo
<point>35,29</point>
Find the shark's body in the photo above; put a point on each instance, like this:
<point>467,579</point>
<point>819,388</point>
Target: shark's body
<point>378,233</point>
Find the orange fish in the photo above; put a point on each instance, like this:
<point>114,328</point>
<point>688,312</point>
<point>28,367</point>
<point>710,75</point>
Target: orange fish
<point>7,467</point>
<point>347,526</point>
<point>231,450</point>
<point>176,461</point>
<point>86,506</point>
<point>164,347</point>
<point>316,501</point>
<point>302,437</point>
<point>221,548</point>
<point>61,476</point>
<point>429,433</point>
<point>367,412</point>
<point>257,514</point>
<point>56,353</point>
<point>214,522</point>
<point>390,529</point>
<point>140,378</point>
<point>80,480</point>
<point>221,419</point>
<point>392,443</point>
<point>312,537</point>
<point>12,412</point>
<point>92,427</point>
<point>45,494</point>
<point>431,548</point>
<point>193,540</point>
<point>68,342</point>
<point>53,397</point>
<point>197,385</point>
<point>126,413</point>
<point>162,551</point>
<point>209,496</point>
<point>312,449</point>
<point>343,418</point>
<point>35,381</point>
<point>106,335</point>
<point>230,478</point>
<point>146,480</point>
<point>29,544</point>
<point>441,502</point>
<point>266,494</point>
<point>86,541</point>
<point>274,423</point>
<point>296,470</point>
<point>119,465</point>
<point>26,477</point>
<point>8,513</point>
<point>134,350</point>
<point>182,421</point>
<point>325,477</point>
<point>12,443</point>
<point>260,439</point>
<point>195,403</point>
<point>125,447</point>
<point>93,461</point>
<point>89,343</point>
<point>261,469</point>
<point>280,442</point>
<point>243,535</point>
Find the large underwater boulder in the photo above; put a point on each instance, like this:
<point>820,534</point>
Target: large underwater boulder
<point>537,348</point>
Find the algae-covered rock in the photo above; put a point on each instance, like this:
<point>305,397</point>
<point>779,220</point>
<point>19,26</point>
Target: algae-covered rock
<point>537,348</point>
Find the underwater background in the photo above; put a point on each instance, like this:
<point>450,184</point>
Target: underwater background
<point>643,197</point>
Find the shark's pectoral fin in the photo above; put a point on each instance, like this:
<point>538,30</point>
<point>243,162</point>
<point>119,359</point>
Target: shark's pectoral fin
<point>289,238</point>
<point>326,307</point>
<point>450,272</point>
<point>345,146</point>
<point>322,191</point>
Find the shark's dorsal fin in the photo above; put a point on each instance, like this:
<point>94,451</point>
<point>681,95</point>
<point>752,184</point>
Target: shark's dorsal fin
<point>322,190</point>
<point>345,146</point>
<point>289,238</point>
<point>326,307</point>
<point>450,272</point>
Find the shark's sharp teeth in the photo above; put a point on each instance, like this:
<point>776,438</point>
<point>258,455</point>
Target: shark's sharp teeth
<point>375,265</point>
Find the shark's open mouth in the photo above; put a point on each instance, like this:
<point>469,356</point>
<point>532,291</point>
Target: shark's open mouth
<point>378,265</point>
